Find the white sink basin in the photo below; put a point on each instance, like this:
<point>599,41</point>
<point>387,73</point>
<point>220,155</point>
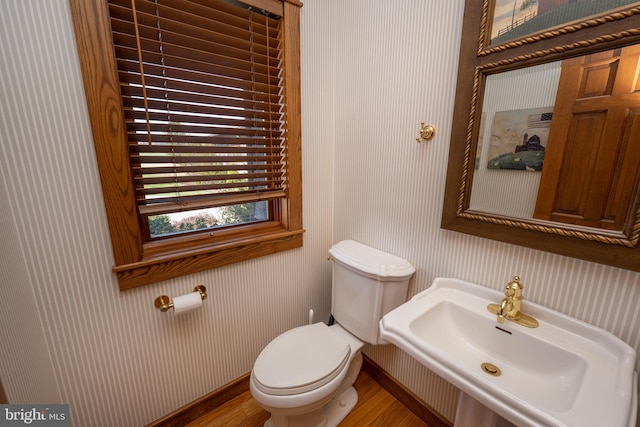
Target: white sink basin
<point>562,373</point>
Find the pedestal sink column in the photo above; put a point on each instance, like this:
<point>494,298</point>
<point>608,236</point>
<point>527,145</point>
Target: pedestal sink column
<point>471,413</point>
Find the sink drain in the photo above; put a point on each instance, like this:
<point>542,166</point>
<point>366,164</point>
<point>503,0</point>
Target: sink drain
<point>491,369</point>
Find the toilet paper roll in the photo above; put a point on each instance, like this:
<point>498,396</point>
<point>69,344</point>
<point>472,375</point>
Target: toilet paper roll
<point>186,303</point>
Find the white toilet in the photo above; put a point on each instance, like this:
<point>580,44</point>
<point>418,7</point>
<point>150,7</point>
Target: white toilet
<point>305,376</point>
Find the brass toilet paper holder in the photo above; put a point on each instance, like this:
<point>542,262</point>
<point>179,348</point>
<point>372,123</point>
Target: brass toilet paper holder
<point>163,302</point>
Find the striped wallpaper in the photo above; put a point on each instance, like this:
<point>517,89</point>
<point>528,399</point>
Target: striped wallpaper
<point>372,70</point>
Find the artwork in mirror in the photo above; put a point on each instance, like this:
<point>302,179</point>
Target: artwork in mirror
<point>545,148</point>
<point>514,22</point>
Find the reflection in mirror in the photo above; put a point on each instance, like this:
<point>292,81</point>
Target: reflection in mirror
<point>510,192</point>
<point>589,150</point>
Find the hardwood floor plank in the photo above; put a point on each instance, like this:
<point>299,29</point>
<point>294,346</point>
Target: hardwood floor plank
<point>398,415</point>
<point>240,411</point>
<point>375,407</point>
<point>368,409</point>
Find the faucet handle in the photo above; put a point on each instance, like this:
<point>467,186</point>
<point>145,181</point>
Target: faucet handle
<point>514,288</point>
<point>515,283</point>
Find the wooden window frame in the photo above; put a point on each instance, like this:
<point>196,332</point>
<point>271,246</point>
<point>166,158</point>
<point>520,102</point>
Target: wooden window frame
<point>139,263</point>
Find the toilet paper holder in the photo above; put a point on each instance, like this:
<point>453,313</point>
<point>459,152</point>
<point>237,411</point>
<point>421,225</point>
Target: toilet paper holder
<point>163,302</point>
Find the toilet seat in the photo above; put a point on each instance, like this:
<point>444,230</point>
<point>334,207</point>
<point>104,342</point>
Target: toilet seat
<point>300,360</point>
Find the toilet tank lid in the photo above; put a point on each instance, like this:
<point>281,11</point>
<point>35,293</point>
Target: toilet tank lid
<point>371,261</point>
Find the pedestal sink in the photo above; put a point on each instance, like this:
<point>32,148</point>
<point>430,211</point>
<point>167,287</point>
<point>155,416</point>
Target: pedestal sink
<point>562,373</point>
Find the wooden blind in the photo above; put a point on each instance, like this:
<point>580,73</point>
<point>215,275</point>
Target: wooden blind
<point>201,84</point>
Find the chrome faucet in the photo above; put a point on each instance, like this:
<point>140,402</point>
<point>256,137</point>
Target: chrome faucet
<point>509,308</point>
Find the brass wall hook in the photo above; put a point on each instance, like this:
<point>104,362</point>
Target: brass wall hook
<point>426,132</point>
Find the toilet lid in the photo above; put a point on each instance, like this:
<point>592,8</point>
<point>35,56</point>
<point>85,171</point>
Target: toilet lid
<point>301,360</point>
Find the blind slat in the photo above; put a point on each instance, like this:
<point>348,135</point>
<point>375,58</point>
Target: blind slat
<point>142,181</point>
<point>166,138</point>
<point>265,160</point>
<point>200,148</point>
<point>137,129</point>
<point>186,118</point>
<point>182,169</point>
<point>165,206</point>
<point>225,186</point>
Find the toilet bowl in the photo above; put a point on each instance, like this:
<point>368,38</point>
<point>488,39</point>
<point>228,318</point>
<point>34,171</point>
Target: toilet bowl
<point>305,376</point>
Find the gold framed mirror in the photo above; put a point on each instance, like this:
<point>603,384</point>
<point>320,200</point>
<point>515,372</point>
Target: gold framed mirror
<point>542,152</point>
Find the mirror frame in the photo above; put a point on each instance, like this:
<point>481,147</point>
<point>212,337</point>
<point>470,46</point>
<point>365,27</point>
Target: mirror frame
<point>479,60</point>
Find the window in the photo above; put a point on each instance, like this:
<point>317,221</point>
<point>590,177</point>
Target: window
<point>195,113</point>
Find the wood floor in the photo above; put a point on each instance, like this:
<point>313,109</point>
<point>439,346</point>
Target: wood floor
<point>375,407</point>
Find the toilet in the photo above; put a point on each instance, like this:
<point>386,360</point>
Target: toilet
<point>305,376</point>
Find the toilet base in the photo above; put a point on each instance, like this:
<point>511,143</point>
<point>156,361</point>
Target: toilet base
<point>330,415</point>
<point>340,406</point>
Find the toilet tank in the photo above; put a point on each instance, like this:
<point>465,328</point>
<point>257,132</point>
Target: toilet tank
<point>367,284</point>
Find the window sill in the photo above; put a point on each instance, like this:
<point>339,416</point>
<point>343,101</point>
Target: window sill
<point>159,263</point>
